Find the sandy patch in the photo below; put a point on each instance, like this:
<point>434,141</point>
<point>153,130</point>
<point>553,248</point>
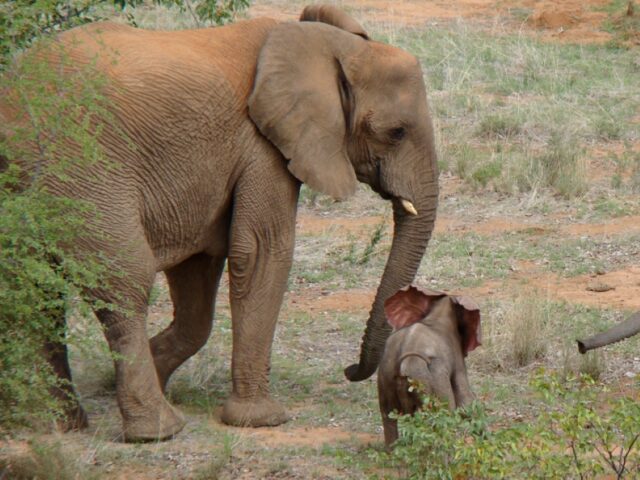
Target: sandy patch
<point>314,300</point>
<point>308,436</point>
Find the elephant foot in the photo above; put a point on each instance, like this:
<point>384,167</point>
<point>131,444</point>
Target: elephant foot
<point>75,418</point>
<point>162,426</point>
<point>261,412</point>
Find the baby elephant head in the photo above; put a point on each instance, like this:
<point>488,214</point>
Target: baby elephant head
<point>458,315</point>
<point>433,333</point>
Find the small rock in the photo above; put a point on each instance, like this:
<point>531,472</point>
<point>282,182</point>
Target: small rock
<point>600,287</point>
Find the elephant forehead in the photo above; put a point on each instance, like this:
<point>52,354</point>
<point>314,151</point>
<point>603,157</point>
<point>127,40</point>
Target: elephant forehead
<point>415,336</point>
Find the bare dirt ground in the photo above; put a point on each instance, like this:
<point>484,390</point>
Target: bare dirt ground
<point>331,418</point>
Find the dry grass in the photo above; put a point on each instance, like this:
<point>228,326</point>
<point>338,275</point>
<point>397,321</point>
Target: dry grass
<point>515,334</point>
<point>44,461</point>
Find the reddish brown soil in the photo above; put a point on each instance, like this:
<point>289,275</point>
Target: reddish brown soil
<point>309,224</point>
<point>621,286</point>
<point>315,300</point>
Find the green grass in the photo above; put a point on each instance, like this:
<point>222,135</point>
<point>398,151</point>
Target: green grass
<point>511,96</point>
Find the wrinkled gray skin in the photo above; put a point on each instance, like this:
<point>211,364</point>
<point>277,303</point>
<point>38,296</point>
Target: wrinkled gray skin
<point>430,351</point>
<point>223,126</point>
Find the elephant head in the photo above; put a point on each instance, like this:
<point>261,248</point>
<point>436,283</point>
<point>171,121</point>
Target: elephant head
<point>342,108</point>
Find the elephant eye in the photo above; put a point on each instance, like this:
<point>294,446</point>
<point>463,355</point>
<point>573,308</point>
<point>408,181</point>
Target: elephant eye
<point>397,134</point>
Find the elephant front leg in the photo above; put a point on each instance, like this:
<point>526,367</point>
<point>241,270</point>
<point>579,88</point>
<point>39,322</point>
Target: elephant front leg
<point>260,258</point>
<point>257,289</point>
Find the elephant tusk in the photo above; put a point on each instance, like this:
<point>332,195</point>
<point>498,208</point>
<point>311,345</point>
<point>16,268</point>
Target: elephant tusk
<point>408,206</point>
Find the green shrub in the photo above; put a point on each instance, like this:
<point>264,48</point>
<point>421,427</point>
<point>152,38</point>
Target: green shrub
<point>22,21</point>
<point>572,435</point>
<point>39,279</point>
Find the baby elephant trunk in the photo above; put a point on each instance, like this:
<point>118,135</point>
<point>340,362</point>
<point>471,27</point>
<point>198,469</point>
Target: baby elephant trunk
<point>623,330</point>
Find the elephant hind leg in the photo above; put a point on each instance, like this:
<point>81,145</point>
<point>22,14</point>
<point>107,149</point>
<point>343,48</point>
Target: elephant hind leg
<point>193,285</point>
<point>146,414</point>
<point>75,418</point>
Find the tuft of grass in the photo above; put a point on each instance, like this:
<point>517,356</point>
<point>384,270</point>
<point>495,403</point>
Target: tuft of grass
<point>627,169</point>
<point>592,364</point>
<point>563,166</point>
<point>527,323</point>
<point>487,172</point>
<point>608,129</point>
<point>499,126</point>
<point>220,459</point>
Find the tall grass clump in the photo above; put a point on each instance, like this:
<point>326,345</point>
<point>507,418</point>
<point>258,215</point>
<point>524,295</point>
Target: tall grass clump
<point>527,324</point>
<point>563,166</point>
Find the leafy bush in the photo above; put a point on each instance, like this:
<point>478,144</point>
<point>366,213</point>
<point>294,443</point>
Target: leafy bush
<point>39,278</point>
<point>573,435</point>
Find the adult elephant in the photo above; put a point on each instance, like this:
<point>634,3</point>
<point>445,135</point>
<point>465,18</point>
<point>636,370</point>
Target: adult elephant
<point>212,132</point>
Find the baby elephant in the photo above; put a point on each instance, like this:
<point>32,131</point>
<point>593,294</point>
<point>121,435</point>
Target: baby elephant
<point>433,332</point>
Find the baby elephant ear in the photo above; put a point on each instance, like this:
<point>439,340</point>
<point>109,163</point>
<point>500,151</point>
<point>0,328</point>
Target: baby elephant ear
<point>409,305</point>
<point>468,317</point>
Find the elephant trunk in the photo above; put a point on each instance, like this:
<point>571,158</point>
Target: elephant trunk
<point>618,332</point>
<point>410,237</point>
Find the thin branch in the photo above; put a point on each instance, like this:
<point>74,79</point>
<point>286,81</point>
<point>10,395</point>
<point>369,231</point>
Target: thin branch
<point>575,458</point>
<point>624,460</point>
<point>193,14</point>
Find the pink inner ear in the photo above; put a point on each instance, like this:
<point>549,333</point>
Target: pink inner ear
<point>473,337</point>
<point>407,307</point>
<point>469,323</point>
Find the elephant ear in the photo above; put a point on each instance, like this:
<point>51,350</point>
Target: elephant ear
<point>468,319</point>
<point>332,16</point>
<point>410,305</point>
<point>302,102</point>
